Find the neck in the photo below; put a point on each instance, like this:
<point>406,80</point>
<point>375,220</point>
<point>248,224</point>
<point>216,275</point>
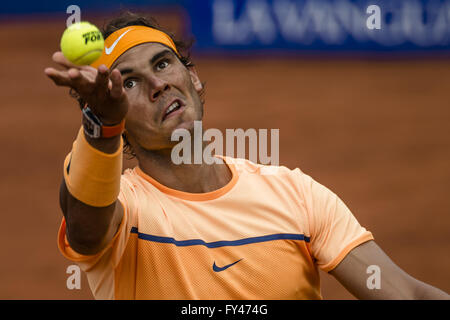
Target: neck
<point>192,178</point>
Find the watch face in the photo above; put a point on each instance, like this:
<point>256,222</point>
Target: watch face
<point>91,124</point>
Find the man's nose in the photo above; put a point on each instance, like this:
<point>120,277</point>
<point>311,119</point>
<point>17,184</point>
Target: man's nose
<point>157,87</point>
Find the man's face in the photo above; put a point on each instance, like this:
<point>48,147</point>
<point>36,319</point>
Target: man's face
<point>156,82</point>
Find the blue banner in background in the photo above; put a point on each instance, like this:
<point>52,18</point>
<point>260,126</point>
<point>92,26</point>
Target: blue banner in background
<point>57,6</point>
<point>320,25</point>
<point>287,25</point>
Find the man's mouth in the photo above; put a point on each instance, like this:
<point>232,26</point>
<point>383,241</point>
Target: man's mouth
<point>172,109</point>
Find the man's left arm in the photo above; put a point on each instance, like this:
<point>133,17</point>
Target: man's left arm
<point>394,283</point>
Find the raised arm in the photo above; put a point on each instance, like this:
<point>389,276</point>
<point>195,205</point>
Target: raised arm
<point>392,283</point>
<point>90,226</point>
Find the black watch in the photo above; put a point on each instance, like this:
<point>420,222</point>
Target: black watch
<point>95,129</point>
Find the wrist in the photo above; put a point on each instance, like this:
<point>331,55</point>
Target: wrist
<point>96,128</point>
<point>106,145</point>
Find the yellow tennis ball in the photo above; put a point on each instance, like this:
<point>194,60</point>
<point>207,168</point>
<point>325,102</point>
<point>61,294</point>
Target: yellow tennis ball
<point>82,43</point>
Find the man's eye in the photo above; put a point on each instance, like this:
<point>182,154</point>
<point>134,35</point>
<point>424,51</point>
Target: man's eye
<point>162,65</point>
<point>129,83</point>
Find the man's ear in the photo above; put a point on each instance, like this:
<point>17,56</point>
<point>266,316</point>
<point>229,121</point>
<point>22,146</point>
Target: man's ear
<point>195,79</point>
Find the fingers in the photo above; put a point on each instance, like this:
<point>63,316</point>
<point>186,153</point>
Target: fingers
<point>79,82</point>
<point>102,80</point>
<point>59,58</point>
<point>99,87</point>
<point>116,84</point>
<point>107,81</point>
<point>60,78</point>
<point>73,78</point>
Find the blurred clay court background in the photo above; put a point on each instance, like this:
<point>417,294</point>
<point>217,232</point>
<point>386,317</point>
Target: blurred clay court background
<point>375,130</point>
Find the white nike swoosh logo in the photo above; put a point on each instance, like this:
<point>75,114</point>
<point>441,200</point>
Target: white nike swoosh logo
<point>110,49</point>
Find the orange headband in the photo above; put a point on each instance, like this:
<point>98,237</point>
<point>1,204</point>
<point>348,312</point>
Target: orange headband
<point>123,39</point>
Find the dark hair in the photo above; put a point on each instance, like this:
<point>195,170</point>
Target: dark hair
<point>128,18</point>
